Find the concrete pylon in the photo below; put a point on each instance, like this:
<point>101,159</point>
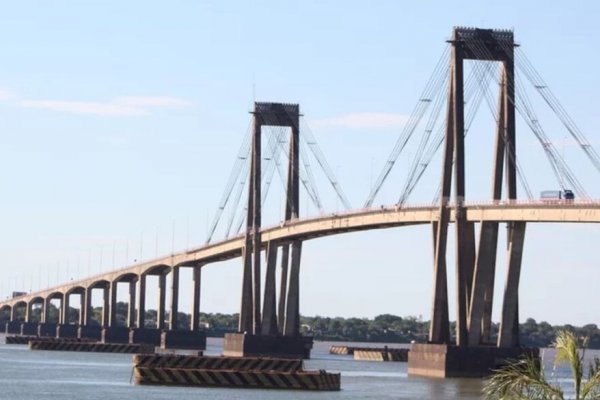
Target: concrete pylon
<point>271,114</point>
<point>474,270</point>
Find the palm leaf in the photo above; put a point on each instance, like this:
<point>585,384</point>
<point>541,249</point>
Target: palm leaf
<point>521,379</point>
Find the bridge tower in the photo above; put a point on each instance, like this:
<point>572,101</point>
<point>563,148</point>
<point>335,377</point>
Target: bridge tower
<point>475,267</point>
<point>270,334</point>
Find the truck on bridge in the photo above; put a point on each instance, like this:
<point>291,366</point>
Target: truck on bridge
<point>555,195</point>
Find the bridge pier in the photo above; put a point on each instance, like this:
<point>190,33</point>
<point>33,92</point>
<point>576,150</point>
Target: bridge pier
<point>277,331</point>
<point>141,311</point>
<point>160,308</point>
<point>196,288</point>
<point>174,298</point>
<point>474,270</point>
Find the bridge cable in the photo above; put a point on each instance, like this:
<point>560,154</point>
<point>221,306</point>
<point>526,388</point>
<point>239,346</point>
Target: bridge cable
<point>272,163</point>
<point>529,117</point>
<point>523,106</point>
<point>492,107</point>
<point>423,158</point>
<point>313,145</point>
<point>474,97</point>
<point>540,85</point>
<point>439,74</point>
<point>241,160</point>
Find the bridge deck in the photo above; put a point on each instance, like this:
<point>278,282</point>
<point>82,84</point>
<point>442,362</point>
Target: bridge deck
<point>333,224</point>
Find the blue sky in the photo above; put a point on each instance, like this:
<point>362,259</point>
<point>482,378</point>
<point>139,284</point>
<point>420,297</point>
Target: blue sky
<point>120,122</point>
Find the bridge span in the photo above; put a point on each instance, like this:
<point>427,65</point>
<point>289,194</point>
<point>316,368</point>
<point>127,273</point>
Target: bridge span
<point>334,224</point>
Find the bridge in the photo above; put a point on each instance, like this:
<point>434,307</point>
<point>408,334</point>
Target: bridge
<point>268,326</point>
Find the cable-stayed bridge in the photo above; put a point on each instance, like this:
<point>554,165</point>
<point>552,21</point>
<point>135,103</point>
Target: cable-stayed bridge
<point>271,326</point>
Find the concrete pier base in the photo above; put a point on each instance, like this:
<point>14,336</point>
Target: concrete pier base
<point>89,332</point>
<point>145,336</point>
<point>12,328</point>
<point>46,330</point>
<point>448,361</point>
<point>115,334</point>
<point>245,345</point>
<point>66,331</point>
<point>186,340</point>
<point>29,329</point>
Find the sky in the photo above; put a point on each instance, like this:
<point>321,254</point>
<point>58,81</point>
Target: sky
<point>120,123</point>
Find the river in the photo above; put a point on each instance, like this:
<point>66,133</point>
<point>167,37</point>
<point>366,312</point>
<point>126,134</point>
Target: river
<point>27,375</point>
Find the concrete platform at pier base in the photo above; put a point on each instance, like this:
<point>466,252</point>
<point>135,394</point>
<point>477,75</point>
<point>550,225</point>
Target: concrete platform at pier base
<point>184,340</point>
<point>12,328</point>
<point>449,361</point>
<point>145,336</point>
<point>245,345</point>
<point>115,334</point>
<point>46,330</point>
<point>89,332</point>
<point>29,328</point>
<point>66,331</point>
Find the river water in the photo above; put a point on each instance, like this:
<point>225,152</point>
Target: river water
<point>26,375</point>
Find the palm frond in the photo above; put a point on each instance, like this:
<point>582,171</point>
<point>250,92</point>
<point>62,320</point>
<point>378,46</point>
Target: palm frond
<point>521,379</point>
<point>566,352</point>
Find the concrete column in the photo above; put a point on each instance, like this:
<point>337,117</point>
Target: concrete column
<point>160,309</point>
<point>174,298</point>
<point>483,292</point>
<point>141,311</point>
<point>462,236</point>
<point>60,310</point>
<point>45,310</point>
<point>88,306</point>
<point>13,313</point>
<point>508,335</point>
<point>28,310</point>
<point>245,323</point>
<point>285,257</point>
<point>112,317</point>
<point>292,315</point>
<point>256,223</point>
<point>131,304</point>
<point>82,308</point>
<point>483,282</point>
<point>439,330</point>
<point>65,310</point>
<point>196,283</point>
<point>106,305</point>
<point>269,322</point>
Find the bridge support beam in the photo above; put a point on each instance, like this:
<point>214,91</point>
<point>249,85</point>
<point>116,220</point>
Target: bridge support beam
<point>28,310</point>
<point>160,308</point>
<point>292,314</point>
<point>87,307</point>
<point>65,310</point>
<point>173,315</point>
<point>131,304</point>
<point>113,288</point>
<point>81,319</point>
<point>285,258</point>
<point>141,309</point>
<point>509,333</point>
<point>106,305</point>
<point>196,290</point>
<point>269,322</point>
<point>45,310</point>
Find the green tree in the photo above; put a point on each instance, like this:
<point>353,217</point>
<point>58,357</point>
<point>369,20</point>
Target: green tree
<point>525,378</point>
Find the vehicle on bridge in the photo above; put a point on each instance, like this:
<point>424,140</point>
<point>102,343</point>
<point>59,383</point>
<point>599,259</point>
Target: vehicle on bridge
<point>555,195</point>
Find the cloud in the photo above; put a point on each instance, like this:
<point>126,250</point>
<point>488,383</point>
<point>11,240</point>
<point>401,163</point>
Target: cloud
<point>120,106</point>
<point>364,120</point>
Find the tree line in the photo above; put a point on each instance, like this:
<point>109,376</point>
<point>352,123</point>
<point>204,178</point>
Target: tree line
<point>382,328</point>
